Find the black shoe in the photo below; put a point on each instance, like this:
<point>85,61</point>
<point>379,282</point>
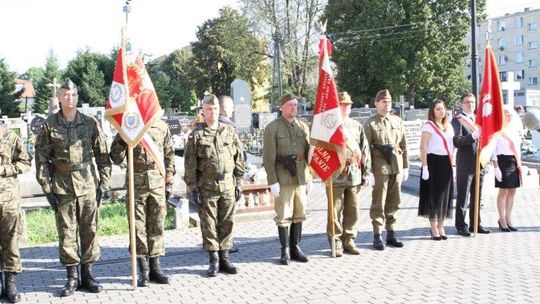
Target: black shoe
<point>156,275</point>
<point>214,264</point>
<point>512,228</point>
<point>503,229</point>
<point>444,237</point>
<point>294,243</point>
<point>391,240</point>
<point>377,242</point>
<point>10,288</point>
<point>143,280</point>
<point>481,230</point>
<point>284,241</point>
<point>72,282</point>
<point>435,238</point>
<point>463,232</point>
<point>225,264</point>
<point>88,282</point>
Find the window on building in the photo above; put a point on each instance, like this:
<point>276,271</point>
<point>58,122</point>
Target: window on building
<point>533,63</point>
<point>531,26</point>
<point>520,74</point>
<point>519,22</point>
<point>503,76</point>
<point>518,40</point>
<point>501,43</point>
<point>519,57</point>
<point>502,60</point>
<point>533,80</point>
<point>501,26</point>
<point>533,45</point>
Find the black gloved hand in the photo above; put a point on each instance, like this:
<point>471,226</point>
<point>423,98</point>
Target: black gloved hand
<point>168,191</point>
<point>237,193</point>
<point>53,201</point>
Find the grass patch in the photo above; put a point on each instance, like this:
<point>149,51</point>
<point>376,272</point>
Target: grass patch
<point>113,220</point>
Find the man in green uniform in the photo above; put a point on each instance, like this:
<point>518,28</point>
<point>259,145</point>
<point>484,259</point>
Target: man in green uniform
<point>65,149</point>
<point>286,146</point>
<point>13,161</point>
<point>152,190</point>
<point>214,166</point>
<point>386,137</point>
<point>346,182</point>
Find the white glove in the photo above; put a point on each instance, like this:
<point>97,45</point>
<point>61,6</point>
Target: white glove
<point>274,188</point>
<point>498,174</point>
<point>405,174</point>
<point>370,180</point>
<point>476,133</point>
<point>425,173</point>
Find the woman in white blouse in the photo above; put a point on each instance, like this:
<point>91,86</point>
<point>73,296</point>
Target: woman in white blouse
<point>436,154</point>
<point>507,162</point>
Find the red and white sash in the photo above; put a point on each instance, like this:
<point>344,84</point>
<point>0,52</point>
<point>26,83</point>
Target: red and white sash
<point>445,142</point>
<point>466,122</point>
<point>512,146</point>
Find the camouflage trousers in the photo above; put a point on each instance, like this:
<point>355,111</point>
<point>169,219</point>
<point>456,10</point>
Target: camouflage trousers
<point>345,212</point>
<point>217,219</point>
<point>150,212</point>
<point>10,229</point>
<point>77,217</point>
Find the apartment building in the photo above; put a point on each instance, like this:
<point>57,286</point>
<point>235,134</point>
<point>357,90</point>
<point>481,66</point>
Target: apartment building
<point>515,39</point>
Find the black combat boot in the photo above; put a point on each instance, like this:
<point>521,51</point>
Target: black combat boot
<point>284,240</point>
<point>10,289</point>
<point>225,264</point>
<point>143,272</point>
<point>391,240</point>
<point>214,263</point>
<point>156,274</point>
<point>72,281</point>
<point>296,252</point>
<point>377,242</point>
<point>88,281</point>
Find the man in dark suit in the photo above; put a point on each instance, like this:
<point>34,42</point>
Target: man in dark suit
<point>465,140</point>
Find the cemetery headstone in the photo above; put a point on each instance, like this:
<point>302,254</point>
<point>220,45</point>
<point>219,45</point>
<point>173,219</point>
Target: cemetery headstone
<point>241,96</point>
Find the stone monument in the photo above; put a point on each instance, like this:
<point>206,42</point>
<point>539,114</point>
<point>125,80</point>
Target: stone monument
<point>240,93</point>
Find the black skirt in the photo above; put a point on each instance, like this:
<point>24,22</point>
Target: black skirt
<point>436,192</point>
<point>510,173</point>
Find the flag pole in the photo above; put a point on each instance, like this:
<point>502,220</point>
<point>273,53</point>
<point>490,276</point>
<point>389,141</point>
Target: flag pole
<point>476,193</point>
<point>131,215</point>
<point>331,217</point>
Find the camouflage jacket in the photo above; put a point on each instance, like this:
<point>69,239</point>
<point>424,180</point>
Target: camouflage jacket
<point>358,159</point>
<point>382,131</point>
<point>64,154</point>
<point>146,175</point>
<point>13,161</point>
<point>213,159</point>
<point>282,138</point>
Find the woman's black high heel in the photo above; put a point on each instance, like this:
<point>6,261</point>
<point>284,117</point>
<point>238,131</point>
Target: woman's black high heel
<point>501,228</point>
<point>444,237</point>
<point>435,238</point>
<point>511,228</point>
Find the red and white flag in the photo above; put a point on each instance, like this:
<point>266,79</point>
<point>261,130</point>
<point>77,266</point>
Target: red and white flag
<point>133,111</point>
<point>327,128</point>
<point>489,115</point>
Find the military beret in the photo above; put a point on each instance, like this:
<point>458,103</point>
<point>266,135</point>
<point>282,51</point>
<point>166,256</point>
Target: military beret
<point>286,97</point>
<point>383,94</point>
<point>344,97</point>
<point>68,85</point>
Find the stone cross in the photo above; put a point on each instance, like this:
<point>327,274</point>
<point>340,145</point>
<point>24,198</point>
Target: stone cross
<point>509,86</point>
<point>53,103</point>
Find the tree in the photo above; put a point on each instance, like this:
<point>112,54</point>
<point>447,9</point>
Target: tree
<point>414,48</point>
<point>92,73</point>
<point>293,24</point>
<point>7,91</point>
<point>43,91</point>
<point>226,49</point>
<point>181,84</point>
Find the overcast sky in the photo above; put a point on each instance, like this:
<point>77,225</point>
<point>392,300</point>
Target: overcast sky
<point>30,28</point>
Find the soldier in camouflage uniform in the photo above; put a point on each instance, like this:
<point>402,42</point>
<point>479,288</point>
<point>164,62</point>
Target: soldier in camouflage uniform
<point>386,137</point>
<point>152,190</point>
<point>286,145</point>
<point>214,166</point>
<point>13,161</point>
<point>65,148</point>
<point>346,183</point>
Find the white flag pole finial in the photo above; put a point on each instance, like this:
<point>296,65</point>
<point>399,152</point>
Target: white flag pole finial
<point>323,26</point>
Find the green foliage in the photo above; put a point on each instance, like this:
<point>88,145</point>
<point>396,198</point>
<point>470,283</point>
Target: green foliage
<point>113,220</point>
<point>225,50</point>
<point>414,48</point>
<point>7,91</point>
<point>44,92</point>
<point>92,73</point>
